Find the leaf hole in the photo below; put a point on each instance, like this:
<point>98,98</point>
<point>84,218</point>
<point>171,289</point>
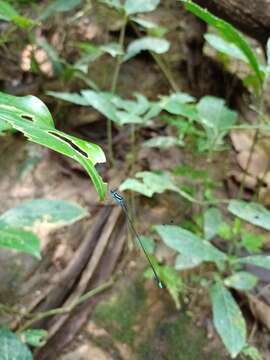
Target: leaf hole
<point>69,142</point>
<point>27,117</point>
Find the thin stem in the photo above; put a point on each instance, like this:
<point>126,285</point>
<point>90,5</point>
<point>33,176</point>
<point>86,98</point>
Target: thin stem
<point>114,86</point>
<point>64,310</point>
<point>165,70</point>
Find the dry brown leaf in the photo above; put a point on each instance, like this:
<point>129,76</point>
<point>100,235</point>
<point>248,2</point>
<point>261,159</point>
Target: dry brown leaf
<point>260,310</point>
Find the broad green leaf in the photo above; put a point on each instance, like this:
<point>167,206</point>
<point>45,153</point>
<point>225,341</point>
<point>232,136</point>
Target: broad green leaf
<point>157,45</point>
<point>179,104</point>
<point>101,102</point>
<point>33,337</point>
<point>59,6</point>
<point>56,212</point>
<point>228,319</point>
<point>189,244</point>
<point>114,49</point>
<point>215,116</point>
<point>30,116</point>
<point>8,13</point>
<point>257,260</point>
<point>229,33</point>
<point>251,212</point>
<point>241,280</point>
<point>113,3</point>
<point>147,24</point>
<point>162,142</point>
<point>225,47</point>
<point>183,262</point>
<point>71,97</point>
<point>12,348</point>
<point>212,222</point>
<point>20,240</point>
<point>139,6</point>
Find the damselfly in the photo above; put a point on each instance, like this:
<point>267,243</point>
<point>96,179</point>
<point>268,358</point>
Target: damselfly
<point>121,201</point>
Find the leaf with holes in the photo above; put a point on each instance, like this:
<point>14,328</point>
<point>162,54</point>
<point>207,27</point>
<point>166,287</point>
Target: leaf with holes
<point>230,34</point>
<point>30,116</point>
<point>228,319</point>
<point>251,212</point>
<point>12,348</point>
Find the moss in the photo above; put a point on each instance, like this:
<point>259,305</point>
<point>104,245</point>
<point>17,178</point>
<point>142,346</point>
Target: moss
<point>119,315</point>
<point>175,339</point>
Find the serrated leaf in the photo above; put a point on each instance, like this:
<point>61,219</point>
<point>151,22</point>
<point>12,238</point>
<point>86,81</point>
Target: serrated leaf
<point>30,116</point>
<point>212,222</point>
<point>12,348</point>
<point>33,337</point>
<point>257,260</point>
<point>228,319</point>
<point>229,33</point>
<point>59,6</point>
<point>56,212</point>
<point>215,116</point>
<point>183,262</point>
<point>189,244</point>
<point>139,6</point>
<point>147,43</point>
<point>20,240</point>
<point>241,280</point>
<point>251,212</point>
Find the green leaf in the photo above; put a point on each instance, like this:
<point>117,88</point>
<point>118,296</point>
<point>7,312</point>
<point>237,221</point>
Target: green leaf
<point>152,182</point>
<point>212,222</point>
<point>139,6</point>
<point>57,212</point>
<point>252,242</point>
<point>8,13</point>
<point>252,353</point>
<point>215,116</point>
<point>229,33</point>
<point>20,240</point>
<point>241,280</point>
<point>30,116</point>
<point>228,319</point>
<point>35,337</point>
<point>113,3</point>
<point>148,243</point>
<point>12,348</point>
<point>59,6</point>
<point>225,47</point>
<point>163,142</point>
<point>189,244</point>
<point>157,45</point>
<point>183,262</point>
<point>251,212</point>
<point>257,260</point>
<point>114,49</point>
<point>71,97</point>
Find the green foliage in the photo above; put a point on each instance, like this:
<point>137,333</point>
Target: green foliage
<point>251,212</point>
<point>188,244</point>
<point>35,337</point>
<point>163,142</point>
<point>20,240</point>
<point>212,222</point>
<point>257,260</point>
<point>184,262</point>
<point>241,280</point>
<point>53,212</point>
<point>57,6</point>
<point>157,45</point>
<point>9,13</point>
<point>133,7</point>
<point>30,116</point>
<point>12,348</point>
<point>228,319</point>
<point>252,353</point>
<point>230,34</point>
<point>251,242</point>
